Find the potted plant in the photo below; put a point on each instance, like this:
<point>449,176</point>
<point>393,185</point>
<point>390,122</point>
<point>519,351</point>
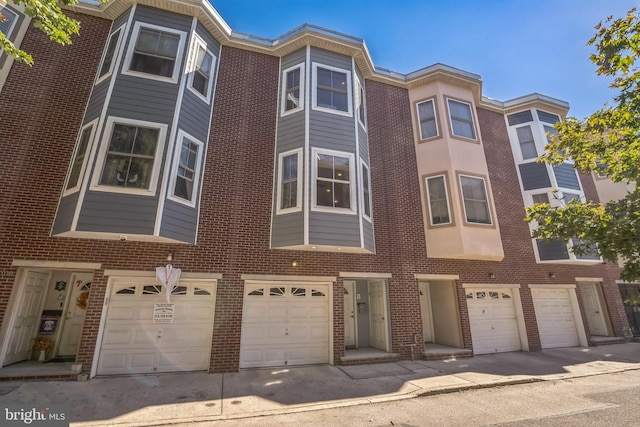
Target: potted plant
<point>42,345</point>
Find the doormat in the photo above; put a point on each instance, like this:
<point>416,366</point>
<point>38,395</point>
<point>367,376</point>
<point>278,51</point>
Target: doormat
<point>62,359</point>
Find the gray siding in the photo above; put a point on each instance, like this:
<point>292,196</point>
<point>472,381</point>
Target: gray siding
<point>290,132</point>
<point>96,102</point>
<point>550,251</point>
<point>64,216</point>
<point>332,131</point>
<point>117,213</point>
<point>566,176</point>
<point>363,142</point>
<point>179,222</point>
<point>534,176</point>
<point>287,230</point>
<point>334,229</point>
<point>330,58</point>
<point>367,232</point>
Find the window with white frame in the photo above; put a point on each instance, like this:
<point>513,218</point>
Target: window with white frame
<point>186,169</point>
<point>360,103</point>
<point>292,89</point>
<point>540,198</point>
<point>80,158</point>
<point>366,192</point>
<point>427,119</point>
<point>438,199</point>
<point>527,143</point>
<point>549,131</point>
<point>475,200</point>
<point>333,176</point>
<point>461,117</point>
<point>289,182</point>
<point>156,52</point>
<point>203,65</point>
<point>8,23</point>
<point>130,156</point>
<point>332,89</point>
<point>110,53</point>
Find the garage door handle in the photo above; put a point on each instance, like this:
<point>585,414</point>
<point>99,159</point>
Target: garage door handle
<point>286,332</point>
<point>597,312</point>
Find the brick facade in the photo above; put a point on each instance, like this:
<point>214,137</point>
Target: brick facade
<point>43,109</point>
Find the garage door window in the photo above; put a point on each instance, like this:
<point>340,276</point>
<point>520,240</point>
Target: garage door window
<point>131,290</point>
<point>152,290</point>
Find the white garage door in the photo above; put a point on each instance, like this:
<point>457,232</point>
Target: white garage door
<point>285,324</point>
<point>554,316</point>
<point>492,315</point>
<point>133,343</point>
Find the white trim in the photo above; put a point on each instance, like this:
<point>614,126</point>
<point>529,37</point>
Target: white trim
<point>435,118</point>
<point>352,178</point>
<point>359,275</point>
<point>298,206</point>
<point>553,286</point>
<point>104,145</point>
<point>360,95</point>
<point>283,278</point>
<point>12,25</point>
<point>138,273</point>
<point>447,199</point>
<point>56,264</point>
<point>590,279</point>
<point>314,94</point>
<point>307,156</point>
<point>83,169</point>
<point>132,45</point>
<point>473,119</point>
<point>436,277</point>
<point>196,44</point>
<point>182,135</point>
<point>361,193</point>
<point>490,285</point>
<point>486,199</point>
<point>116,51</point>
<point>283,90</point>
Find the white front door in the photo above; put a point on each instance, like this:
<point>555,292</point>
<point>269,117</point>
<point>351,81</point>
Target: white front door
<point>425,308</point>
<point>378,315</point>
<point>74,316</point>
<point>593,309</point>
<point>349,313</point>
<point>27,317</point>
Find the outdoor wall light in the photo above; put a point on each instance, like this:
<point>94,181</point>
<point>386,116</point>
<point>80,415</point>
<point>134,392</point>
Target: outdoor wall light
<point>294,263</point>
<point>492,275</point>
<point>552,275</point>
<point>170,256</point>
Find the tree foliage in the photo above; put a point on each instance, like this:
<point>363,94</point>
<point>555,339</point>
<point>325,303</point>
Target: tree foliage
<point>47,16</point>
<point>607,143</point>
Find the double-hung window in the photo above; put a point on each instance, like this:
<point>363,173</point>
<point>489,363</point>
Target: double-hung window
<point>438,198</point>
<point>475,200</point>
<point>80,158</point>
<point>360,103</point>
<point>292,89</point>
<point>130,156</point>
<point>333,176</point>
<point>527,143</point>
<point>8,23</point>
<point>203,64</point>
<point>156,52</point>
<point>186,169</point>
<point>332,89</point>
<point>366,192</point>
<point>427,119</point>
<point>461,117</point>
<point>289,196</point>
<point>110,54</point>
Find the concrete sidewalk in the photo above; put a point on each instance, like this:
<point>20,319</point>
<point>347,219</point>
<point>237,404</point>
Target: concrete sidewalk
<point>171,398</point>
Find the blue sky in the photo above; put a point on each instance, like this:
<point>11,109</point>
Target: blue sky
<point>517,47</point>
